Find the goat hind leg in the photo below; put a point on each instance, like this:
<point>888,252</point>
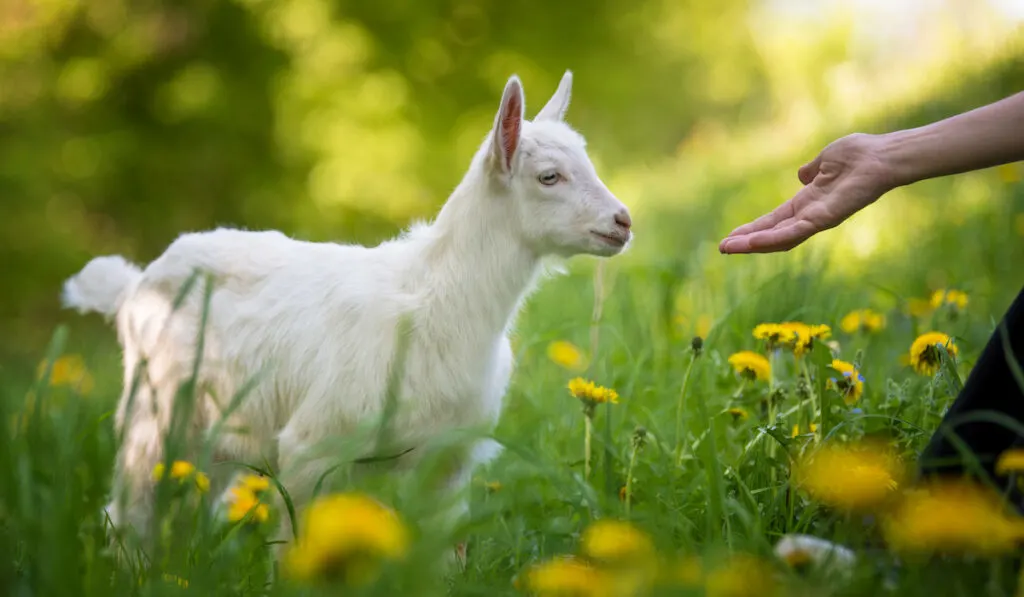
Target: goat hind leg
<point>131,502</point>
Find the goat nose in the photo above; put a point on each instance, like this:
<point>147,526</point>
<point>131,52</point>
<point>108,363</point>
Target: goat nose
<point>622,219</point>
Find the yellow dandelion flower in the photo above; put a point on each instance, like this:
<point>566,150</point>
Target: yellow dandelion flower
<point>742,575</point>
<point>579,387</point>
<point>953,298</point>
<point>924,356</point>
<point>243,501</point>
<point>852,477</point>
<point>850,383</point>
<point>801,331</point>
<point>588,391</point>
<point>255,483</point>
<point>493,486</point>
<point>181,469</point>
<point>851,322</point>
<point>751,365</point>
<point>917,307</point>
<point>1010,461</point>
<point>774,334</point>
<point>952,517</point>
<point>567,355</point>
<point>862,320</point>
<point>613,540</point>
<point>567,576</point>
<point>346,536</point>
<point>796,429</point>
<point>804,335</point>
<point>202,482</point>
<point>68,370</point>
<point>793,335</point>
<point>687,571</point>
<point>738,414</point>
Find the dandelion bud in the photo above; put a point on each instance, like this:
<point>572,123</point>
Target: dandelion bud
<point>778,396</point>
<point>803,390</point>
<point>697,344</point>
<point>639,437</point>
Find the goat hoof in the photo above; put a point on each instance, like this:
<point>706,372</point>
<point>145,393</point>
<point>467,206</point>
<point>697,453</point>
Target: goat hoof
<point>460,556</point>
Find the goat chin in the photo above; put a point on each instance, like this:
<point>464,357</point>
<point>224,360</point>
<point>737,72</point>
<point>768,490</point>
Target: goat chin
<point>315,323</point>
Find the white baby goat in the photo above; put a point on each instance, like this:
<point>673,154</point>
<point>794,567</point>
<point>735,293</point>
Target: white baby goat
<point>320,318</point>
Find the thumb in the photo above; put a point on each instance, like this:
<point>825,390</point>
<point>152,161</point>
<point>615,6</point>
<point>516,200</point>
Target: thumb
<point>809,170</point>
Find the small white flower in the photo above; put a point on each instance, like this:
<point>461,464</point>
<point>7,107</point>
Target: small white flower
<point>801,549</point>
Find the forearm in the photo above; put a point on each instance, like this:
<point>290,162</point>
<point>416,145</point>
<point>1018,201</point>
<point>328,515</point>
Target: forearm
<point>987,136</point>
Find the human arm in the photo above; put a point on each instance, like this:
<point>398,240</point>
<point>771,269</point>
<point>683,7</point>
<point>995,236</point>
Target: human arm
<point>854,171</point>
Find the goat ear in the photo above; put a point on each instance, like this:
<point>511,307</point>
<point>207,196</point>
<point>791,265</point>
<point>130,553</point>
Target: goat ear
<point>508,125</point>
<point>558,104</point>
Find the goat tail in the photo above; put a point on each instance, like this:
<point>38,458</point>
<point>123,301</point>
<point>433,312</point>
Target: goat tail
<point>101,286</point>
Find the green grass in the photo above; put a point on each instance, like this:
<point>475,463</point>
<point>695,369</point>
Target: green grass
<point>728,494</point>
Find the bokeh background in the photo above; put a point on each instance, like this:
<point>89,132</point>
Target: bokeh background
<point>124,123</point>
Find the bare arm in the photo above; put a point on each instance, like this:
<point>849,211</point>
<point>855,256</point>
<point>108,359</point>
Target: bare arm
<point>854,171</point>
<point>984,137</point>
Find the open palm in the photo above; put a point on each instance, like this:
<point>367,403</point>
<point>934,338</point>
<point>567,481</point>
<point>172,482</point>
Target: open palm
<point>845,177</point>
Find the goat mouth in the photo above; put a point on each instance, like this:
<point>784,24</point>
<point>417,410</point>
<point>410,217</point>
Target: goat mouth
<point>615,241</point>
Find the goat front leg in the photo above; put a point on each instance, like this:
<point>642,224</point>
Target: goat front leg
<point>455,487</point>
<point>300,467</point>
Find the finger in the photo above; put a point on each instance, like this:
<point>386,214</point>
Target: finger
<point>782,239</point>
<point>770,241</point>
<point>781,217</point>
<point>808,171</point>
<point>726,242</point>
<point>766,221</point>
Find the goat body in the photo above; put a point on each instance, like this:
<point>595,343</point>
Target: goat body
<point>318,320</point>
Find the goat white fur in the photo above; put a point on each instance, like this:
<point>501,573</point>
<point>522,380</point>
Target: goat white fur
<point>320,318</point>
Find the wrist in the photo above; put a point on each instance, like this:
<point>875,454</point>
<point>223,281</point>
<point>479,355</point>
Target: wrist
<point>899,153</point>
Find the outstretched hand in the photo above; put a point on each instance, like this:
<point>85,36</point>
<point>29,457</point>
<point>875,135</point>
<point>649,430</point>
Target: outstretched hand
<point>846,176</point>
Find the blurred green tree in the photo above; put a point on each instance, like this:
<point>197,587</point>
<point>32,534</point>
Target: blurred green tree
<point>126,122</point>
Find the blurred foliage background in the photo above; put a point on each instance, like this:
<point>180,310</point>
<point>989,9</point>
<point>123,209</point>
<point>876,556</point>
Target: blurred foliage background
<point>126,122</point>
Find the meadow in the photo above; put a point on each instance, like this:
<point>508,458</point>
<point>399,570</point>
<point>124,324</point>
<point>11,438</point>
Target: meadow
<point>696,452</point>
<point>674,412</point>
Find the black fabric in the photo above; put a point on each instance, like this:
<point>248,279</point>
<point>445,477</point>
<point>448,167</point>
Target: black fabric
<point>990,386</point>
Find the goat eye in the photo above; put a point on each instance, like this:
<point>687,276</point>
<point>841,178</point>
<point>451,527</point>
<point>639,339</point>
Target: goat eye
<point>548,178</point>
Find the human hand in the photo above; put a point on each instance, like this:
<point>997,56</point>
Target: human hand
<point>848,175</point>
